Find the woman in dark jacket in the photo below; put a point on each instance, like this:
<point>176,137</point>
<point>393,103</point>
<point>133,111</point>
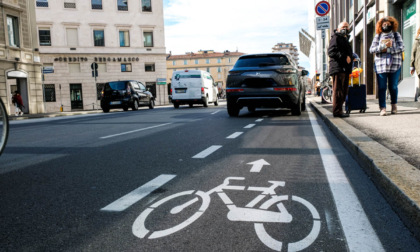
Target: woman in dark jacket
<point>341,57</point>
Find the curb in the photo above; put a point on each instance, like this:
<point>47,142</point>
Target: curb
<point>394,177</point>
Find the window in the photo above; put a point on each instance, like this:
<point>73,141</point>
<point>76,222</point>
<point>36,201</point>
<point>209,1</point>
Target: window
<point>148,39</point>
<point>230,60</point>
<point>207,61</point>
<point>219,60</point>
<point>185,62</point>
<point>99,88</point>
<point>196,61</point>
<point>149,67</point>
<point>74,67</point>
<point>123,5</point>
<point>13,31</point>
<point>96,4</point>
<point>124,39</point>
<point>208,69</point>
<point>173,63</point>
<point>70,4</point>
<point>98,38</point>
<point>219,69</point>
<point>41,3</point>
<point>126,67</point>
<point>49,92</point>
<point>72,38</point>
<point>146,5</point>
<point>44,37</point>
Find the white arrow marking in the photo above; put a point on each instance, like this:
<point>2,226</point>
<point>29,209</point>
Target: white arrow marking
<point>258,165</point>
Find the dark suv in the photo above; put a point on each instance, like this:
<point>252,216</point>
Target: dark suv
<point>265,80</point>
<point>125,94</point>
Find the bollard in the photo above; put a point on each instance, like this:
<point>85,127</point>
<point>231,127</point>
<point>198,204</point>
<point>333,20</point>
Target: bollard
<point>61,108</point>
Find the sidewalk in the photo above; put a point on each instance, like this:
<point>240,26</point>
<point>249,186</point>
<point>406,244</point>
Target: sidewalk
<point>53,114</point>
<point>387,148</point>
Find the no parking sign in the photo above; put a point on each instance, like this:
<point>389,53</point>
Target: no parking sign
<point>322,8</point>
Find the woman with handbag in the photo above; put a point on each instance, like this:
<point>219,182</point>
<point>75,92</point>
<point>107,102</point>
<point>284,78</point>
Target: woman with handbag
<point>415,56</point>
<point>388,47</point>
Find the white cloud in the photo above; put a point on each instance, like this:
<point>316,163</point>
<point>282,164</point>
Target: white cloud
<point>247,25</point>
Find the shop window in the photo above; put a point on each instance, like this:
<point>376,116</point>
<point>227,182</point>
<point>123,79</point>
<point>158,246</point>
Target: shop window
<point>126,67</point>
<point>49,92</point>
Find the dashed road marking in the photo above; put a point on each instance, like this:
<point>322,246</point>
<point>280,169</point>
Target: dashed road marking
<point>133,131</point>
<point>234,135</point>
<point>207,151</point>
<point>138,194</point>
<point>249,126</point>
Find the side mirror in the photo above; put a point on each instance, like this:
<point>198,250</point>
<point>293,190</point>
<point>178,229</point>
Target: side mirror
<point>305,72</point>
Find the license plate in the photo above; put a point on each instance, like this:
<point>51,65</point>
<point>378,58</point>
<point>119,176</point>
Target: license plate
<point>115,102</point>
<point>181,91</point>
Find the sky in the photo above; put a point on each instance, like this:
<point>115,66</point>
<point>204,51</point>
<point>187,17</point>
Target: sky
<point>247,26</point>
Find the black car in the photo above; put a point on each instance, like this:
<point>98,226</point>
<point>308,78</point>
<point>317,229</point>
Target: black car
<point>125,94</point>
<point>270,80</point>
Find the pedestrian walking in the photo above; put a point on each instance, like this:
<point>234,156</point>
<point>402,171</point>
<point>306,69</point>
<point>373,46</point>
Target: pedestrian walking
<point>415,55</point>
<point>17,101</point>
<point>388,47</point>
<point>341,58</point>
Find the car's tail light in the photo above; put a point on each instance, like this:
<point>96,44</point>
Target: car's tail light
<point>102,93</point>
<point>286,71</point>
<point>170,91</point>
<point>233,90</point>
<point>285,89</point>
<point>202,90</point>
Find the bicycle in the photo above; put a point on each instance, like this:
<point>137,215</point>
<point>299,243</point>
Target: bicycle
<point>327,90</point>
<point>4,126</point>
<point>249,213</point>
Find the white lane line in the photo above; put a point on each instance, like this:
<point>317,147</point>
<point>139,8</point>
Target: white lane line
<point>215,112</point>
<point>249,126</point>
<point>133,131</point>
<point>207,151</point>
<point>234,135</point>
<point>138,194</point>
<point>359,233</point>
<point>259,120</point>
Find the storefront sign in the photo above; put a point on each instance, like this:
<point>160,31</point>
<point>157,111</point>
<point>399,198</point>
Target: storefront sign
<point>161,81</point>
<point>97,59</point>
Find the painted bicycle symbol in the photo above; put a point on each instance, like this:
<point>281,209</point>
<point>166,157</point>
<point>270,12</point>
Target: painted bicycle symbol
<point>249,213</point>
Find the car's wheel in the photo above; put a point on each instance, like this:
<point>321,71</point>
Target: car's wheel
<point>176,105</point>
<point>297,109</point>
<point>105,109</point>
<point>206,102</point>
<point>135,105</point>
<point>152,104</point>
<point>216,103</point>
<point>233,110</point>
<point>251,109</point>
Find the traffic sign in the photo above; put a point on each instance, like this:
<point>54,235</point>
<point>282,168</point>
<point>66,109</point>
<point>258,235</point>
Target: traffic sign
<point>322,8</point>
<point>323,23</point>
<point>323,26</point>
<point>94,65</point>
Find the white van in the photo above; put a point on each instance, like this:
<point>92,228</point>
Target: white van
<point>193,87</point>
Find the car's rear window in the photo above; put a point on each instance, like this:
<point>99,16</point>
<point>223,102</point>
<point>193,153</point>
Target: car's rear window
<point>262,61</point>
<point>117,85</point>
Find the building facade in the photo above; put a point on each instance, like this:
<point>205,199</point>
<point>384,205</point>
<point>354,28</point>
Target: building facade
<point>287,48</point>
<point>20,67</point>
<point>216,63</point>
<point>362,16</point>
<point>125,38</point>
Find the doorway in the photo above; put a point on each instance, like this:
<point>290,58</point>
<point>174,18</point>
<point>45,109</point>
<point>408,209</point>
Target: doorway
<point>17,81</point>
<point>76,96</point>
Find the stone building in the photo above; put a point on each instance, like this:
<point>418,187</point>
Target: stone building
<point>125,38</point>
<point>20,67</point>
<point>217,64</point>
<point>287,48</point>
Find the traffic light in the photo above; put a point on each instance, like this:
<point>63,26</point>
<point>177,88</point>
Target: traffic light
<point>317,77</point>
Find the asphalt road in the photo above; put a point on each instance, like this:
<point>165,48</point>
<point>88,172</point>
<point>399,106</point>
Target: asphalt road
<point>264,181</point>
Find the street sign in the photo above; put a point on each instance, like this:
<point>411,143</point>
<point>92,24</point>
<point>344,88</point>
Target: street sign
<point>323,26</point>
<point>323,33</point>
<point>322,8</point>
<point>94,66</point>
<point>323,23</point>
<point>47,69</point>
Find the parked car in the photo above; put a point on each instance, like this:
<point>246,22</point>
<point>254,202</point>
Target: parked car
<point>125,94</point>
<point>265,80</point>
<point>193,87</point>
